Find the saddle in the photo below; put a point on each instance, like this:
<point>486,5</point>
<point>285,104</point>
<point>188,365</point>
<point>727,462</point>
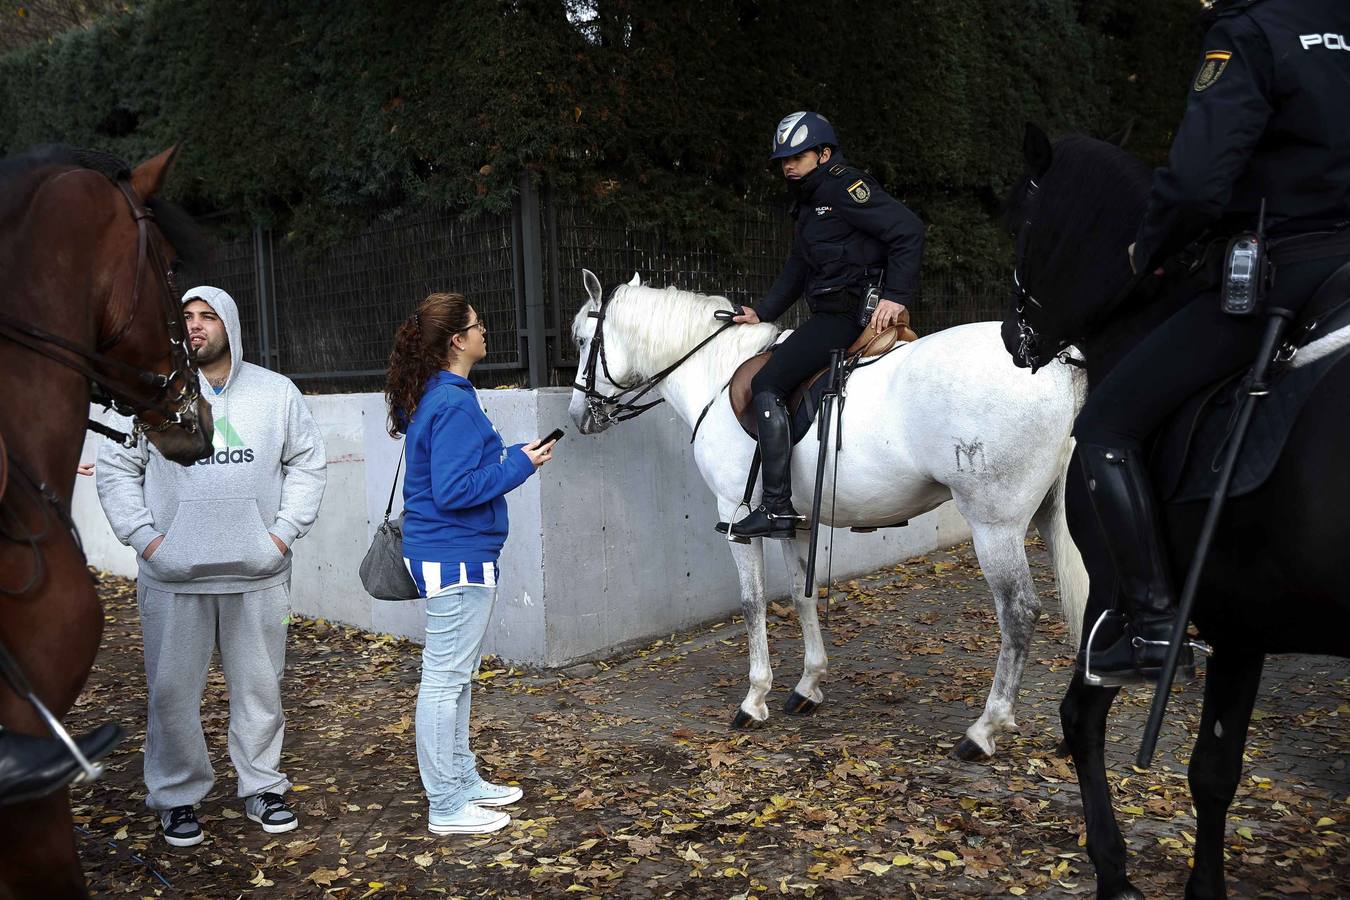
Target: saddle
<point>805,400</point>
<point>1187,452</point>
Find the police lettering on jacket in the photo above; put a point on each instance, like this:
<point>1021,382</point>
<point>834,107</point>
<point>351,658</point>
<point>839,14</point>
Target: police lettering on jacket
<point>1265,119</point>
<point>849,234</point>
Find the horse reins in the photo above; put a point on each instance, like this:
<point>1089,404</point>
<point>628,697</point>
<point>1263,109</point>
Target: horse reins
<point>621,409</point>
<point>92,364</point>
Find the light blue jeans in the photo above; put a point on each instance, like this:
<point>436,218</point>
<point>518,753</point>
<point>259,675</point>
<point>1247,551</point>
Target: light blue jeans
<point>457,619</point>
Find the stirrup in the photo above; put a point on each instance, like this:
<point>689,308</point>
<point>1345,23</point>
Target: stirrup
<point>731,523</point>
<point>9,668</point>
<point>1100,680</point>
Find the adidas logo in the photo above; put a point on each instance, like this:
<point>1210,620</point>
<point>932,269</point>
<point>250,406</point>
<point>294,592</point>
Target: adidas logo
<point>229,446</point>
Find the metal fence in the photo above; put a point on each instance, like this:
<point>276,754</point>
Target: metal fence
<point>327,319</point>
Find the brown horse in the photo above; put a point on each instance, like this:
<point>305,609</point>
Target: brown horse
<point>87,299</point>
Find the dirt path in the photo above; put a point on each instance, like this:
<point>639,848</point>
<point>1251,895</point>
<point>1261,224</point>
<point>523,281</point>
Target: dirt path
<point>635,787</point>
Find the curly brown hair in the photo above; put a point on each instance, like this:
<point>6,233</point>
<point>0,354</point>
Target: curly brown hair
<point>421,347</point>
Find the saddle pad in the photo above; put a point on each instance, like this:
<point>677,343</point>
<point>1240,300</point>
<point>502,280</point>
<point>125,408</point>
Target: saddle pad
<point>805,400</point>
<point>1188,450</point>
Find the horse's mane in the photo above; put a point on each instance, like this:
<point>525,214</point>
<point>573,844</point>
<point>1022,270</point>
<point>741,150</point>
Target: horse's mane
<point>1091,203</point>
<point>20,176</point>
<point>662,324</point>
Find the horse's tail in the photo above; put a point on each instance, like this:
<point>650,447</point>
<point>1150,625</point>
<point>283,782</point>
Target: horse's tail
<point>1071,575</point>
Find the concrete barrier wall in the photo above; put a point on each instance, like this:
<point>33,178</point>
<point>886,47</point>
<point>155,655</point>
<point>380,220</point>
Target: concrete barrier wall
<point>611,545</point>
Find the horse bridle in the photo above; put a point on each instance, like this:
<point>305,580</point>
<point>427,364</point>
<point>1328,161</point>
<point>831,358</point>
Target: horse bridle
<point>1028,339</point>
<point>109,391</point>
<point>607,409</point>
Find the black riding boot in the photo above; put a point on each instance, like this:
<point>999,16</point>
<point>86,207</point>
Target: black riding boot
<point>32,767</point>
<point>1122,495</point>
<point>774,517</point>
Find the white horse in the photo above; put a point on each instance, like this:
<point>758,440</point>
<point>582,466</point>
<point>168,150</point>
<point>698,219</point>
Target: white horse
<point>946,417</point>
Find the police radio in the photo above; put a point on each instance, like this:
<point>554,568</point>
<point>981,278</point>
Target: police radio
<point>1245,270</point>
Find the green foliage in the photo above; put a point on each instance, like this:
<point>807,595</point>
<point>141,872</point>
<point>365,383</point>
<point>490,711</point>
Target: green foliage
<point>317,117</point>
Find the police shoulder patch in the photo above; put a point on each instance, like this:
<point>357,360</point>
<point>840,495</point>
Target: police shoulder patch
<point>1214,63</point>
<point>838,169</point>
<point>859,192</point>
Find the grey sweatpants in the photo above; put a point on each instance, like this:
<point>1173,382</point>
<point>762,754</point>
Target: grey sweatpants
<point>180,631</point>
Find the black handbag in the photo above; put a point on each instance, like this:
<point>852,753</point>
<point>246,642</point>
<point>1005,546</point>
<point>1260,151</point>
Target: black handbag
<point>383,572</point>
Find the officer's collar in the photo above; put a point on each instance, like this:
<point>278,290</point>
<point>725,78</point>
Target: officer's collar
<point>806,187</point>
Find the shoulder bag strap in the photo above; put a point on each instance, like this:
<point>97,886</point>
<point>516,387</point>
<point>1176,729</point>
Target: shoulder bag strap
<point>389,507</point>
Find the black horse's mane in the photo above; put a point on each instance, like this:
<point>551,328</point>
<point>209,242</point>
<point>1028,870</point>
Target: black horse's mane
<point>16,179</point>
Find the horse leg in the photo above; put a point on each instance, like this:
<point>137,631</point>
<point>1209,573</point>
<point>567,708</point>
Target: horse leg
<point>1082,714</point>
<point>807,695</point>
<point>1231,681</point>
<point>1002,554</point>
<point>53,633</point>
<point>749,560</point>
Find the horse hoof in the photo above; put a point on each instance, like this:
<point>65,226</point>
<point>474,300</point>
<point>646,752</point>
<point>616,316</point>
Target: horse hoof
<point>744,720</point>
<point>797,705</point>
<point>1129,893</point>
<point>969,751</point>
<point>1062,750</point>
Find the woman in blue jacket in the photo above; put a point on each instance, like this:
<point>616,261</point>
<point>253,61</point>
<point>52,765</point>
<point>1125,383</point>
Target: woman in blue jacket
<point>454,524</point>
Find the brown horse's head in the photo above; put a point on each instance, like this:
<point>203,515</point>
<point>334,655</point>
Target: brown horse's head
<point>142,322</point>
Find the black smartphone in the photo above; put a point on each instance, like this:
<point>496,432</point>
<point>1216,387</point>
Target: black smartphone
<point>553,435</point>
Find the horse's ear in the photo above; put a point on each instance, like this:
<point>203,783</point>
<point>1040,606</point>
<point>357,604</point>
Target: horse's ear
<point>148,177</point>
<point>593,290</point>
<point>636,280</point>
<point>1037,150</point>
<point>1121,137</point>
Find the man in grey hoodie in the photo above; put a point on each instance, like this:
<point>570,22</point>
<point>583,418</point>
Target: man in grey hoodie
<point>214,562</point>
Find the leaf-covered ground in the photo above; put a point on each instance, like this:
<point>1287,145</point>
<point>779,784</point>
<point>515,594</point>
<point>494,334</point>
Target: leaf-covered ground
<point>635,787</point>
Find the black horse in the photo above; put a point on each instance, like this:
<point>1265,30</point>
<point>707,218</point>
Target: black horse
<point>1278,577</point>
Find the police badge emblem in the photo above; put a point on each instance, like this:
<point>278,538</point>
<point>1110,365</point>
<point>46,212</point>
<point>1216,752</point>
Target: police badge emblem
<point>859,192</point>
<point>1210,70</point>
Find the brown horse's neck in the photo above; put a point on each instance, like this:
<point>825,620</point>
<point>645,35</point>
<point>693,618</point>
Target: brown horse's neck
<point>46,406</point>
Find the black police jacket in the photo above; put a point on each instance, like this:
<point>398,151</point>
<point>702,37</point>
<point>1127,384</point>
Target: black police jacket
<point>849,234</point>
<point>1266,118</point>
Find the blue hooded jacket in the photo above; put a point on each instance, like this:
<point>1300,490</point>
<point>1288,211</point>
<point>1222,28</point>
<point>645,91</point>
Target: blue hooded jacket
<point>458,474</point>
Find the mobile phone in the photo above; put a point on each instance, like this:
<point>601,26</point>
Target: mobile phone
<point>553,435</point>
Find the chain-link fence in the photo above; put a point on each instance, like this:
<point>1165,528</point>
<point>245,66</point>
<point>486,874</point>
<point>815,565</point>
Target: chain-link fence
<point>327,319</point>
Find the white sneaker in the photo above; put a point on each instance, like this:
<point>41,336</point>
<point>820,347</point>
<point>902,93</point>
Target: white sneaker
<point>488,794</point>
<point>470,819</point>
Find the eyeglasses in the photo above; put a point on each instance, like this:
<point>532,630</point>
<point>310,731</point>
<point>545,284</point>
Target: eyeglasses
<point>480,325</point>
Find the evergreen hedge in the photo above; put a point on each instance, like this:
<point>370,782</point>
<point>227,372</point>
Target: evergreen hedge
<point>317,117</point>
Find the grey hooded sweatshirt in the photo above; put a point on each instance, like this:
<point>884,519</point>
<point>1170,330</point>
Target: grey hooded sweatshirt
<point>266,476</point>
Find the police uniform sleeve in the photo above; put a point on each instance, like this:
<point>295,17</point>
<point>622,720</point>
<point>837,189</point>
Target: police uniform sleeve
<point>1226,114</point>
<point>864,205</point>
<point>787,287</point>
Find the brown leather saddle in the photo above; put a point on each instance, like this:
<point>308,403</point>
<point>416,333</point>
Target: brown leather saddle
<point>867,345</point>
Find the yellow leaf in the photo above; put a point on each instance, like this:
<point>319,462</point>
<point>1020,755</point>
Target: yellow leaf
<point>400,726</point>
<point>1246,832</point>
<point>902,860</point>
<point>576,887</point>
<point>875,868</point>
<point>121,834</point>
<point>108,820</point>
<point>1133,810</point>
<point>423,860</point>
<point>228,813</point>
<point>1325,821</point>
<point>261,880</point>
<point>299,787</point>
<point>1017,891</point>
<point>947,855</point>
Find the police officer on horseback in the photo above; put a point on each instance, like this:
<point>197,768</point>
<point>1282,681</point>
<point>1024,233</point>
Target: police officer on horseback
<point>850,236</point>
<point>1265,121</point>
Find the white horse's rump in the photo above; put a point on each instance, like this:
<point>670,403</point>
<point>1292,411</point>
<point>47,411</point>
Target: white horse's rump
<point>947,417</point>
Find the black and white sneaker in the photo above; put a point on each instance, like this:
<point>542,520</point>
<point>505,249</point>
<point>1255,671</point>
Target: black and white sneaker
<point>180,826</point>
<point>271,812</point>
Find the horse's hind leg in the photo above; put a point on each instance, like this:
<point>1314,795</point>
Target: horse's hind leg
<point>749,561</point>
<point>1002,554</point>
<point>1082,714</point>
<point>807,695</point>
<point>37,850</point>
<point>1231,681</point>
